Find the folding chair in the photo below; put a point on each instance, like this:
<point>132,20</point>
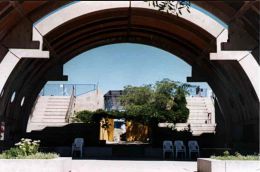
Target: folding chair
<point>193,147</point>
<point>77,145</point>
<point>167,147</point>
<point>179,148</point>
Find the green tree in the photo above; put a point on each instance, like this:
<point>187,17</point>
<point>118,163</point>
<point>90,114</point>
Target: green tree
<point>163,102</point>
<point>137,102</point>
<point>84,116</point>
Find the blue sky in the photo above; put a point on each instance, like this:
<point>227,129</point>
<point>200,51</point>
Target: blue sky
<point>117,65</point>
<point>114,66</point>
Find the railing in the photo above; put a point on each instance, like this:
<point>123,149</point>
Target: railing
<point>197,91</point>
<point>71,105</point>
<point>67,89</point>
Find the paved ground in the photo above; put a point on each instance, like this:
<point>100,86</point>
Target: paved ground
<point>132,166</point>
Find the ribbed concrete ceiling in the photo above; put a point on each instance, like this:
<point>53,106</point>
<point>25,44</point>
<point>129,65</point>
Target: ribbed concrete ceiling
<point>170,33</point>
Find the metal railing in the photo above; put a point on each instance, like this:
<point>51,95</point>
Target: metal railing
<point>71,106</point>
<point>71,90</point>
<point>197,91</point>
<point>67,89</point>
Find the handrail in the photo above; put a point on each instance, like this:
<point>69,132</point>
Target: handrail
<point>66,89</point>
<point>71,103</point>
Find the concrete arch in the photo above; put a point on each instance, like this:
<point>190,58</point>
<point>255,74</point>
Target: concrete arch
<point>104,25</point>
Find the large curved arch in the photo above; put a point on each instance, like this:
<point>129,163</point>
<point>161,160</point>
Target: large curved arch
<point>191,37</point>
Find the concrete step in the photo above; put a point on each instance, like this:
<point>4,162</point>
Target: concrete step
<point>36,127</point>
<point>198,114</point>
<point>50,110</point>
<point>54,97</point>
<point>43,108</point>
<point>48,120</point>
<point>53,101</point>
<point>48,123</point>
<point>56,115</point>
<point>196,105</point>
<point>196,121</point>
<point>198,110</point>
<point>195,125</point>
<point>50,116</point>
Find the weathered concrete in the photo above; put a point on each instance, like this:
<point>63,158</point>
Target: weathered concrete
<point>132,166</point>
<point>245,59</point>
<point>66,165</point>
<point>89,101</point>
<point>236,94</point>
<point>49,111</point>
<point>212,165</point>
<point>32,165</point>
<point>201,118</point>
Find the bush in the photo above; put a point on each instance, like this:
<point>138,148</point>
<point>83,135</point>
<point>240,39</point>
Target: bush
<point>41,155</point>
<point>84,116</point>
<point>13,152</point>
<point>236,156</point>
<point>27,146</point>
<point>26,149</point>
<point>38,155</point>
<point>226,153</point>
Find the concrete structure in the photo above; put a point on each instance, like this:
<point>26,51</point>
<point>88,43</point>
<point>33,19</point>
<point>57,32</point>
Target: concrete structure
<point>31,165</point>
<point>111,100</point>
<point>89,101</point>
<point>213,165</point>
<point>226,58</point>
<point>201,118</point>
<point>49,111</point>
<point>66,164</point>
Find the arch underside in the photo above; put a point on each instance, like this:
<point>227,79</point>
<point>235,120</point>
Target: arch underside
<point>229,82</point>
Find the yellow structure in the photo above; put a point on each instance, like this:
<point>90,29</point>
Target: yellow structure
<point>107,129</point>
<point>136,131</point>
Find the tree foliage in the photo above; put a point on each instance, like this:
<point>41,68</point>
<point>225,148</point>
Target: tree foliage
<point>163,102</point>
<point>94,117</point>
<point>172,7</point>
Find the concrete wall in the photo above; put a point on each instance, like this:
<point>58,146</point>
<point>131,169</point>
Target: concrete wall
<point>212,165</point>
<point>90,101</point>
<point>189,37</point>
<point>32,165</point>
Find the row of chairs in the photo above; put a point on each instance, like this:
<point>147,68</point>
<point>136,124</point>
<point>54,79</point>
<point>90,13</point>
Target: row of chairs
<point>168,147</point>
<point>179,147</point>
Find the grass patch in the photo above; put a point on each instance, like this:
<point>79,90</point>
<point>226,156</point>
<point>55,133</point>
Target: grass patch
<point>236,156</point>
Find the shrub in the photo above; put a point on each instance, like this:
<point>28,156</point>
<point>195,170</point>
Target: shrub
<point>226,153</point>
<point>38,155</point>
<point>26,149</point>
<point>84,116</point>
<point>41,155</point>
<point>236,156</point>
<point>13,152</point>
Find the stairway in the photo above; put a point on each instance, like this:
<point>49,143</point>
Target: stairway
<point>49,111</point>
<point>202,115</point>
<point>201,118</point>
